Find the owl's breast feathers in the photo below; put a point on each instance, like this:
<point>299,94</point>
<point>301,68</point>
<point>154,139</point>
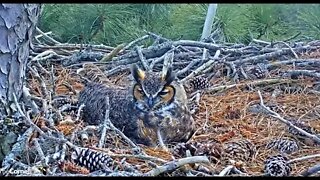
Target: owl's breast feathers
<point>174,122</point>
<point>176,125</point>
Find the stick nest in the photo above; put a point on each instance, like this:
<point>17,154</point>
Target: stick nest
<point>286,73</point>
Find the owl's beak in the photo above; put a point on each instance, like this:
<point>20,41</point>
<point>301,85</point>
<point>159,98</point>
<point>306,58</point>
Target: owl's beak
<point>150,102</point>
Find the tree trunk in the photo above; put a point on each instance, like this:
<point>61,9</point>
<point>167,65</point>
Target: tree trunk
<point>209,21</point>
<point>17,23</point>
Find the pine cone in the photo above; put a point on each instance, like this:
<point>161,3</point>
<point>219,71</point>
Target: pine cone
<point>301,125</point>
<point>257,72</point>
<point>283,145</point>
<point>61,100</point>
<point>277,166</point>
<point>91,159</point>
<point>197,83</point>
<point>278,157</point>
<point>242,150</point>
<point>210,149</point>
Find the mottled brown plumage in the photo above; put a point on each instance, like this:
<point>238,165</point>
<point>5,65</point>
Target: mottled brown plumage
<point>153,101</point>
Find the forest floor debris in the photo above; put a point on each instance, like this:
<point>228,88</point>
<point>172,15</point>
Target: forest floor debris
<point>284,76</point>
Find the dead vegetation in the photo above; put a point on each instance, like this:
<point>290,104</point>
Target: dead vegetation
<point>55,141</point>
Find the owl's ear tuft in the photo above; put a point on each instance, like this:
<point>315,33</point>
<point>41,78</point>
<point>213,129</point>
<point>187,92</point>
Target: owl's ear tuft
<point>137,73</point>
<point>169,76</point>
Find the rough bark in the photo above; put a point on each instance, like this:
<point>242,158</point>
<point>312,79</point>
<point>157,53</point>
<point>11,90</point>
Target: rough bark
<point>17,23</point>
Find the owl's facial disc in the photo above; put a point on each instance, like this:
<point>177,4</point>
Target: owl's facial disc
<point>165,96</point>
<point>138,92</point>
<point>152,90</point>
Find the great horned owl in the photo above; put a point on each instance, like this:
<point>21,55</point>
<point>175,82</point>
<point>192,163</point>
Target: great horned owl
<point>154,101</point>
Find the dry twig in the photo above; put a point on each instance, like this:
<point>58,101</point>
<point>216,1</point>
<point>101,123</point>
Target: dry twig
<point>46,36</point>
<point>276,115</point>
<point>172,165</point>
<point>312,170</point>
<point>303,158</point>
<point>134,42</point>
<point>226,170</point>
<point>113,53</point>
<point>105,124</point>
<point>201,68</point>
<point>142,59</point>
<point>252,83</point>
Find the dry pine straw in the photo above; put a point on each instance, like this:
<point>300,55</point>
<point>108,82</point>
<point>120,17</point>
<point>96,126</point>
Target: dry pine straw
<point>259,129</point>
<point>224,117</point>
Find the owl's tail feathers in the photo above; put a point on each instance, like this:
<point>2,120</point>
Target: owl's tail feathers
<point>93,73</point>
<point>89,73</point>
<point>82,79</point>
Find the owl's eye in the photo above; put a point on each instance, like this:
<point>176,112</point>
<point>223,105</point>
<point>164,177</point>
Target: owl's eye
<point>167,93</point>
<point>138,92</point>
<point>164,92</point>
